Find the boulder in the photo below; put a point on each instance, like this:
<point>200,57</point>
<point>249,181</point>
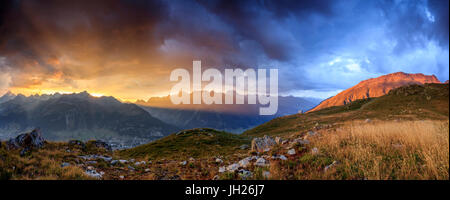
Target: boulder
<point>101,144</point>
<point>244,146</point>
<point>262,143</point>
<point>244,163</point>
<point>26,141</point>
<point>291,152</point>
<point>261,162</point>
<point>233,167</point>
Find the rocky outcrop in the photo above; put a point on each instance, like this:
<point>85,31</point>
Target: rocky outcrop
<point>26,141</point>
<point>101,144</point>
<point>375,87</point>
<point>263,143</point>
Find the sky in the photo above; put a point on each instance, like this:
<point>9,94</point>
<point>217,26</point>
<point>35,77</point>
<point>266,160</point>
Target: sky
<point>127,49</point>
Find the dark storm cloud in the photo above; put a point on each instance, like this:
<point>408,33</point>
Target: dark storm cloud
<point>317,45</point>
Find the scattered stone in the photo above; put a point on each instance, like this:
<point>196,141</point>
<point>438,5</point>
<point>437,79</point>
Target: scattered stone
<point>93,173</point>
<point>244,163</point>
<point>233,167</point>
<point>191,159</point>
<point>245,174</point>
<point>183,163</point>
<point>90,162</point>
<point>216,177</point>
<point>314,151</point>
<point>368,121</point>
<point>218,160</point>
<point>131,168</point>
<point>123,161</point>
<point>121,177</point>
<point>90,168</point>
<point>299,142</point>
<point>266,174</point>
<point>101,144</point>
<point>312,133</point>
<point>132,160</point>
<point>244,146</point>
<point>331,165</point>
<point>65,164</point>
<point>266,149</point>
<point>262,143</point>
<point>147,170</point>
<point>291,152</point>
<point>261,162</point>
<point>282,157</point>
<point>222,169</point>
<point>113,162</point>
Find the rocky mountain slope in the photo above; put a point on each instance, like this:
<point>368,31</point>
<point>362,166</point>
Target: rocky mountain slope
<point>375,87</point>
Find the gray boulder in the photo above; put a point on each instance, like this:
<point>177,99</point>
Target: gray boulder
<point>262,143</point>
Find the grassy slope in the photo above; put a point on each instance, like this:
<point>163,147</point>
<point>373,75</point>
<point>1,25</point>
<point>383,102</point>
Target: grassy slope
<point>196,143</point>
<point>406,103</point>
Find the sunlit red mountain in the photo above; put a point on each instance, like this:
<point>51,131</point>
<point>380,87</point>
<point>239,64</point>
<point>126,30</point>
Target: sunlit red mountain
<point>376,87</point>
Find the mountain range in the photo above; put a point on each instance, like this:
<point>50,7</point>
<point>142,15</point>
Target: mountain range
<point>79,116</point>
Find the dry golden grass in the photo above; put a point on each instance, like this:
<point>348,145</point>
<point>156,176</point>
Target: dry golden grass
<point>386,150</point>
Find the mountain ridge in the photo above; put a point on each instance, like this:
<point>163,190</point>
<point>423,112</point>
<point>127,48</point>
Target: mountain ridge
<point>375,87</point>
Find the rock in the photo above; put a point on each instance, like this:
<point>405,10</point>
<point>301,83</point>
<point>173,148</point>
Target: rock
<point>218,160</point>
<point>191,159</point>
<point>262,143</point>
<point>266,149</point>
<point>121,177</point>
<point>113,162</point>
<point>147,170</point>
<point>312,133</point>
<point>261,162</point>
<point>78,143</point>
<point>105,158</point>
<point>123,161</point>
<point>183,163</point>
<point>331,165</point>
<point>291,152</point>
<point>233,167</point>
<point>216,177</point>
<point>101,144</point>
<point>93,173</point>
<point>132,160</point>
<point>244,146</point>
<point>244,163</point>
<point>131,168</point>
<point>222,169</point>
<point>245,174</point>
<point>64,164</point>
<point>27,141</point>
<point>299,142</point>
<point>368,121</point>
<point>266,174</point>
<point>90,168</point>
<point>314,151</point>
<point>282,157</point>
<point>91,162</point>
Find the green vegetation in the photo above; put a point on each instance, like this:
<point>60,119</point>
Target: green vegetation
<point>196,143</point>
